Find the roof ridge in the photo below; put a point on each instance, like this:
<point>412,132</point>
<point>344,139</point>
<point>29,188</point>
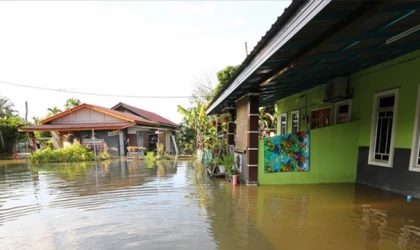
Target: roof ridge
<point>159,119</point>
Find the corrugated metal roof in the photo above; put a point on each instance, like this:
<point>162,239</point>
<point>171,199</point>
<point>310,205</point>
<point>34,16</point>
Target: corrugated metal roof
<point>146,114</point>
<point>77,126</point>
<point>338,40</point>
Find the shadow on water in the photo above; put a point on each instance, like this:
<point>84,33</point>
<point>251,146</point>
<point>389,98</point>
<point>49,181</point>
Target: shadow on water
<point>129,204</point>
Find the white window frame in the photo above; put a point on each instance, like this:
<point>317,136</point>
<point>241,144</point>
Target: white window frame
<point>285,117</point>
<point>338,105</point>
<point>298,121</point>
<point>372,160</point>
<point>415,147</point>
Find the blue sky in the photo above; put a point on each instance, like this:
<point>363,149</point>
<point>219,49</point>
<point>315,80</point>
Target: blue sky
<point>123,48</point>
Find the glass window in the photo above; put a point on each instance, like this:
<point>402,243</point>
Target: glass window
<point>383,126</point>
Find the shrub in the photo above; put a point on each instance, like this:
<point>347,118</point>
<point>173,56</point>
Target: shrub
<point>73,153</point>
<point>103,156</point>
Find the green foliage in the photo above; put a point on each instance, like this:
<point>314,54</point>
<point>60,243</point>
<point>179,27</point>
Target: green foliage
<point>160,148</point>
<point>41,134</point>
<point>103,156</point>
<point>223,77</point>
<point>54,111</point>
<point>195,118</point>
<point>73,153</point>
<point>229,163</point>
<point>186,137</point>
<point>9,134</point>
<point>6,107</point>
<point>71,103</point>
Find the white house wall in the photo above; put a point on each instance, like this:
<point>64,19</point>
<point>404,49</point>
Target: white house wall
<point>85,115</point>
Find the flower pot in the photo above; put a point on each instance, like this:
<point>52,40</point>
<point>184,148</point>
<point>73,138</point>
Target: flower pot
<point>222,169</point>
<point>235,180</point>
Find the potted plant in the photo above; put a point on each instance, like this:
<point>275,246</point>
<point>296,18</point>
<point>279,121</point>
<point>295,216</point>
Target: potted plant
<point>227,117</point>
<point>228,162</point>
<point>214,122</point>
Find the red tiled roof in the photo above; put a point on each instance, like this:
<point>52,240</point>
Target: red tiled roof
<point>146,114</point>
<point>111,112</point>
<point>77,126</point>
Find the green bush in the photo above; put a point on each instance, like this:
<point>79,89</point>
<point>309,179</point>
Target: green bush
<point>73,153</point>
<point>103,156</point>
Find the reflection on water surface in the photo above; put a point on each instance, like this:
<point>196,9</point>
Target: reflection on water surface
<point>174,205</point>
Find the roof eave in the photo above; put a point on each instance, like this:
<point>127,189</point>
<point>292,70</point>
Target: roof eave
<point>298,14</point>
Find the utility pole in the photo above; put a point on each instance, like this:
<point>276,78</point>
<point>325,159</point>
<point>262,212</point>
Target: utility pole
<point>246,49</point>
<point>26,111</point>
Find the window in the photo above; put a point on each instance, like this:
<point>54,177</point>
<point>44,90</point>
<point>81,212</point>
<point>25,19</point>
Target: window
<point>381,151</point>
<point>342,111</point>
<point>415,149</point>
<point>283,123</point>
<point>295,121</point>
<point>320,118</point>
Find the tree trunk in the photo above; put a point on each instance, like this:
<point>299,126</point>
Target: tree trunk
<point>1,139</point>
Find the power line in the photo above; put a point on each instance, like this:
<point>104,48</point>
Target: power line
<point>95,94</point>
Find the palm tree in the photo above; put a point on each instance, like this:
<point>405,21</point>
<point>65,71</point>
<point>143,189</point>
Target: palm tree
<point>71,103</point>
<point>6,107</point>
<point>36,120</point>
<point>54,111</point>
<point>196,119</point>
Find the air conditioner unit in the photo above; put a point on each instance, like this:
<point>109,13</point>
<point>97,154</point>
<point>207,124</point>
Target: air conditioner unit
<point>337,89</point>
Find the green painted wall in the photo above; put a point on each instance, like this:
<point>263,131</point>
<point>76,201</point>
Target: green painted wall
<point>334,149</point>
<point>403,73</point>
<point>333,158</point>
<point>298,102</point>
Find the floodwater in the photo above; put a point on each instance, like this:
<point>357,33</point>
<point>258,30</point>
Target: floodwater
<point>127,205</point>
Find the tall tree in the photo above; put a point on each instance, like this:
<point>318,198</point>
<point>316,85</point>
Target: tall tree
<point>6,107</point>
<point>203,88</point>
<point>223,77</point>
<point>54,111</point>
<point>71,103</point>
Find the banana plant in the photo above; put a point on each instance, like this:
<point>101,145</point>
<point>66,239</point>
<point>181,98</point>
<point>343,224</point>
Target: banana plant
<point>196,119</point>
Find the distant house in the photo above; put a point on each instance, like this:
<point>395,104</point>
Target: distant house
<point>110,128</point>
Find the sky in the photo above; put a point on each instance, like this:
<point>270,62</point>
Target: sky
<point>140,48</point>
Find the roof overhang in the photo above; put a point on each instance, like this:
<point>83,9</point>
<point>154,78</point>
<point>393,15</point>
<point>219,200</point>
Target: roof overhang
<point>322,40</point>
<point>77,127</point>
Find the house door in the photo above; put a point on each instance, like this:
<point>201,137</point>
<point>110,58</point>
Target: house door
<point>153,142</point>
<point>140,140</point>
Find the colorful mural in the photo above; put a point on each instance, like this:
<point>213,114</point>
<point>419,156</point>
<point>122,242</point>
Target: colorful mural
<point>287,153</point>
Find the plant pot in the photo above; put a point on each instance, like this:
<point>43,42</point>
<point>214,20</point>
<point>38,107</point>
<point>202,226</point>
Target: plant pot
<point>222,169</point>
<point>235,180</point>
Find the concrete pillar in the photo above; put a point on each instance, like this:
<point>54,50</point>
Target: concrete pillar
<point>252,139</point>
<point>231,131</point>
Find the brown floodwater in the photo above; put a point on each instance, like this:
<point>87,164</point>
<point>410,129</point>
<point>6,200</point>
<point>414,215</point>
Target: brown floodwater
<point>174,205</point>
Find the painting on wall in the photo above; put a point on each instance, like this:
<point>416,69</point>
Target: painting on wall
<point>287,153</point>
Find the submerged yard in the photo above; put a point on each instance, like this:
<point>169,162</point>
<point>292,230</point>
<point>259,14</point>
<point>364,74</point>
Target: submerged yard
<point>175,205</point>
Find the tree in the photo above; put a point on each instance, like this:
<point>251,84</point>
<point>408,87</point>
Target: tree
<point>9,134</point>
<point>71,103</point>
<point>186,136</point>
<point>223,77</point>
<point>54,111</point>
<point>40,134</point>
<point>6,107</point>
<point>195,118</point>
<point>203,89</point>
